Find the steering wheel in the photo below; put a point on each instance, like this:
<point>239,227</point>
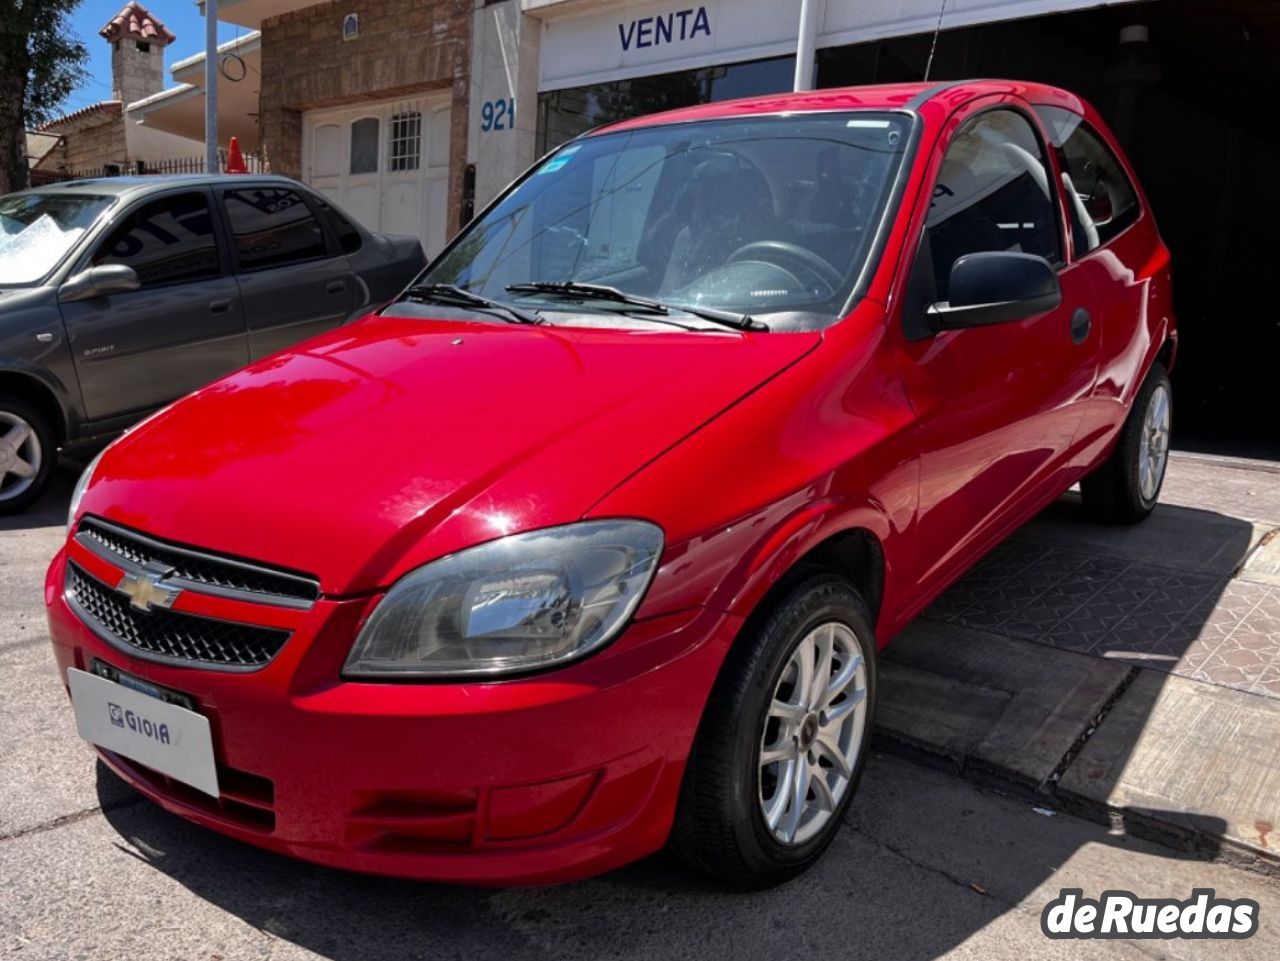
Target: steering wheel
<point>797,254</point>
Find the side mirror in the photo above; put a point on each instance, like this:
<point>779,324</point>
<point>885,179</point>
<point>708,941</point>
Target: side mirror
<point>99,282</point>
<point>994,288</point>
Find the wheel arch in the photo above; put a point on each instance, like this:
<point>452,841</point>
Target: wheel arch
<point>851,546</point>
<point>43,396</point>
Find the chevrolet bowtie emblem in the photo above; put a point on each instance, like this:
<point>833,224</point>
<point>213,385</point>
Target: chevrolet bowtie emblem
<point>146,589</point>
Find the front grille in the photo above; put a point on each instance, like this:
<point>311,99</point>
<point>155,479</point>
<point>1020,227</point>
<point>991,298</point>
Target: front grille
<point>170,634</point>
<point>222,574</point>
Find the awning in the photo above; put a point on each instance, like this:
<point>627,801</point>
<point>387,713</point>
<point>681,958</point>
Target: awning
<point>180,110</point>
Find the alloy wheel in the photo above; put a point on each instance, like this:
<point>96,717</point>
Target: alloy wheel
<point>20,455</point>
<point>812,733</point>
<point>1153,443</point>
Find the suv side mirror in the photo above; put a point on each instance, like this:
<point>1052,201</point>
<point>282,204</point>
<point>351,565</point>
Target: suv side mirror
<point>99,282</point>
<point>996,287</point>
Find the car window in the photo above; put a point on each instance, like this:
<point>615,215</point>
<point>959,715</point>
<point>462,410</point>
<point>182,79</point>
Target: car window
<point>992,193</point>
<point>165,241</point>
<point>272,227</point>
<point>772,215</point>
<point>1100,197</point>
<point>349,238</point>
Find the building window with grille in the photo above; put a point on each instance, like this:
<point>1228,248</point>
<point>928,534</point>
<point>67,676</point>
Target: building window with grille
<point>406,141</point>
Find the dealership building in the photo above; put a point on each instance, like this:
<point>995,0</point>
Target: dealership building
<point>413,114</point>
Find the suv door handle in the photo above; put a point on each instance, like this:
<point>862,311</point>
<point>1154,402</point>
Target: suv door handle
<point>1081,324</point>
<point>336,287</point>
<point>219,306</point>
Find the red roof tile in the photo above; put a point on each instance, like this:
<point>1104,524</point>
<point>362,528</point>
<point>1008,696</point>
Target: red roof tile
<point>135,22</point>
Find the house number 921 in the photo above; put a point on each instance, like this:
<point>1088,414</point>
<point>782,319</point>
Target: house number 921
<point>497,115</point>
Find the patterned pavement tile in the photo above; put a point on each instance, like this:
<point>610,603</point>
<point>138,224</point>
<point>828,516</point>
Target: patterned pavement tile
<point>1268,683</point>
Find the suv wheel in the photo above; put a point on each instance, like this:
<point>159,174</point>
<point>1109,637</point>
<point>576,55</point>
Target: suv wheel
<point>783,741</point>
<point>27,454</point>
<point>1126,487</point>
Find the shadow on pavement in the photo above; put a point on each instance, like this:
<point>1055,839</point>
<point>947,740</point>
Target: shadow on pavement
<point>919,869</point>
<point>924,864</point>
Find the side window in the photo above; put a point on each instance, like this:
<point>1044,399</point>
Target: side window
<point>166,241</point>
<point>364,146</point>
<point>348,236</point>
<point>1100,197</point>
<point>405,151</point>
<point>992,193</point>
<point>272,227</point>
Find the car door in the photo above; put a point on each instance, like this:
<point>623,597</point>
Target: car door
<point>294,278</point>
<point>997,407</point>
<point>182,328</point>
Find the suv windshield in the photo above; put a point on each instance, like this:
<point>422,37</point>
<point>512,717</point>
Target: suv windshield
<point>756,215</point>
<point>37,231</point>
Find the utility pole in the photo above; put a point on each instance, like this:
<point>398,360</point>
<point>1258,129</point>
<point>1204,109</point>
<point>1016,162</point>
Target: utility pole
<point>211,86</point>
<point>805,42</point>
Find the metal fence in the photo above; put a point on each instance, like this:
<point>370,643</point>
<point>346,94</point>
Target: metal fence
<point>176,165</point>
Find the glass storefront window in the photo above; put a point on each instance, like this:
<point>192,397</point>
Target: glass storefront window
<point>564,114</point>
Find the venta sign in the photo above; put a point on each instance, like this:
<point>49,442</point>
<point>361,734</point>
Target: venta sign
<point>672,27</point>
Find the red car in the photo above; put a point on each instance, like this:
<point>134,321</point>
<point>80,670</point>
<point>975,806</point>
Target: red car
<point>587,543</point>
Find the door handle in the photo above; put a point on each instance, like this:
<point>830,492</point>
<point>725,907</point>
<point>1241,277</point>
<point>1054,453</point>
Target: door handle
<point>219,306</point>
<point>1081,324</point>
<point>336,287</point>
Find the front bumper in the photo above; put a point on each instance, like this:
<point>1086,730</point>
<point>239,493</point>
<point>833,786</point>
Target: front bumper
<point>531,780</point>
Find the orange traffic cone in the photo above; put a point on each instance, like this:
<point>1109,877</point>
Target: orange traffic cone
<point>235,159</point>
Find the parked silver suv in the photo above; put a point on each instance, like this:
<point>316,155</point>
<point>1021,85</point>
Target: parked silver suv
<point>120,295</point>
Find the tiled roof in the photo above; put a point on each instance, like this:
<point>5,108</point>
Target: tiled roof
<point>135,22</point>
<point>109,107</point>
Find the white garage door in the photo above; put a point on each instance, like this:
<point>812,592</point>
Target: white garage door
<point>386,164</point>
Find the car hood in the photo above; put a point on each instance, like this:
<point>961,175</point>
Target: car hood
<point>384,444</point>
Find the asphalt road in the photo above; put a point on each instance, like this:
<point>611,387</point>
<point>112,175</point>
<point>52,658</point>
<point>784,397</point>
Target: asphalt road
<point>928,866</point>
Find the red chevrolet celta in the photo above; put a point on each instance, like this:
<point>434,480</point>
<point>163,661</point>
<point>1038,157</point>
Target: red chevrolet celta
<point>586,544</point>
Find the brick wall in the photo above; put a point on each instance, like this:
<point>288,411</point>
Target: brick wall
<point>89,142</point>
<point>405,48</point>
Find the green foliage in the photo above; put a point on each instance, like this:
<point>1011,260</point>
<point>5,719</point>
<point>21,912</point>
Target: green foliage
<point>37,33</point>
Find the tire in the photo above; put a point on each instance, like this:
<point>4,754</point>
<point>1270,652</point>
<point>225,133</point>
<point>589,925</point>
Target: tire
<point>1126,487</point>
<point>721,826</point>
<point>36,450</point>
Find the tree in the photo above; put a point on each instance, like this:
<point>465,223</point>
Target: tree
<point>41,62</point>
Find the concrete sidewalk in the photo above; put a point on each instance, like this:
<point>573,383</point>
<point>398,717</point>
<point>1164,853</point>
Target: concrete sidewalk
<point>1128,674</point>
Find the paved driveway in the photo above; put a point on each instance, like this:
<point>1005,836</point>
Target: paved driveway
<point>928,866</point>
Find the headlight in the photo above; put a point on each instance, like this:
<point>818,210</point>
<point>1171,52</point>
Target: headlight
<point>518,603</point>
<point>77,495</point>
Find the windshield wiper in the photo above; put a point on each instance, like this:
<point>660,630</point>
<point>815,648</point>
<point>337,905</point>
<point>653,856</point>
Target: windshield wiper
<point>452,296</point>
<point>613,294</point>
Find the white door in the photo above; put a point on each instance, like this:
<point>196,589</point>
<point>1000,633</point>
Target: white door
<point>385,164</point>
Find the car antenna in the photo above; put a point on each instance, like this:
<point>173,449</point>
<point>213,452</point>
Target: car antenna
<point>934,46</point>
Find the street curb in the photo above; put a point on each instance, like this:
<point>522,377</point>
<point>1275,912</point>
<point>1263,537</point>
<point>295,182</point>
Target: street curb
<point>1112,769</point>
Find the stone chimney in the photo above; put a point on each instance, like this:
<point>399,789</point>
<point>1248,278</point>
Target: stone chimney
<point>137,42</point>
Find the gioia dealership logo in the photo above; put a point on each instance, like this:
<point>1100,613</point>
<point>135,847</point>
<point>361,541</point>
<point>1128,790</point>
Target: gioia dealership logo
<point>1121,914</point>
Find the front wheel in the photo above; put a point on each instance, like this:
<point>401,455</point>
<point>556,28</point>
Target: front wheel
<point>27,454</point>
<point>783,741</point>
<point>1125,488</point>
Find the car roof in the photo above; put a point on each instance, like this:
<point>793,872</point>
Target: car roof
<point>135,185</point>
<point>896,96</point>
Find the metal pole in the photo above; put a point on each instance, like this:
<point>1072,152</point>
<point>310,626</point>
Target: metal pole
<point>805,42</point>
<point>211,86</point>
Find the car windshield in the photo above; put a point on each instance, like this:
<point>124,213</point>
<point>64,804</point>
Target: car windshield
<point>37,230</point>
<point>769,215</point>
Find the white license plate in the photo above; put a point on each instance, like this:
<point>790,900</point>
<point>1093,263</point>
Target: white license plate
<point>165,737</point>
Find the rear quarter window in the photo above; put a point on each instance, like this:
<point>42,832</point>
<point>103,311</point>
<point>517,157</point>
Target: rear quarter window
<point>1101,200</point>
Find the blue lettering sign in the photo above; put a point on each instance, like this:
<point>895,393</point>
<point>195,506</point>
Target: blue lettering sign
<point>673,27</point>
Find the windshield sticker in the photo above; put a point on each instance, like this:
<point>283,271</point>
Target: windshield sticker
<point>559,160</point>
